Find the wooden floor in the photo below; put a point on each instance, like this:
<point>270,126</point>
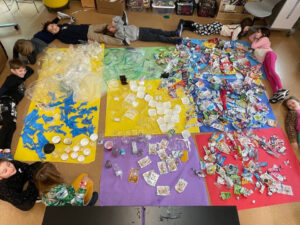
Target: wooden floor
<point>288,67</point>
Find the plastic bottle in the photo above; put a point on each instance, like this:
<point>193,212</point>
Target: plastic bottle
<point>118,171</point>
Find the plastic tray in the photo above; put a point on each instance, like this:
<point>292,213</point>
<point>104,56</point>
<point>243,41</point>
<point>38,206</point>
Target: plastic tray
<point>162,9</point>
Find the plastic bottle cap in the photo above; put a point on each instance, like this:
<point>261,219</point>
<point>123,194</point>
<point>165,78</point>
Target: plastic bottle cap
<point>76,148</point>
<point>64,156</point>
<point>48,148</point>
<point>74,155</point>
<point>84,142</point>
<point>87,151</point>
<point>56,139</point>
<point>68,141</point>
<point>94,137</point>
<point>80,158</point>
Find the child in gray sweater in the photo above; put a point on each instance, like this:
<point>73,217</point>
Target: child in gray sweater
<point>129,33</point>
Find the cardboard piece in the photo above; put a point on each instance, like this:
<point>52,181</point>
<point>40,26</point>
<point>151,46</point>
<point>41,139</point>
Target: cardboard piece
<point>110,7</point>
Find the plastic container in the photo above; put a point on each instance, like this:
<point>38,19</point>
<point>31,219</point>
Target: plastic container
<point>137,5</point>
<point>162,9</point>
<point>185,8</point>
<point>163,2</point>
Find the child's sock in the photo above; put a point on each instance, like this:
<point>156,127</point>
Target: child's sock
<point>63,15</point>
<point>72,20</point>
<point>179,30</point>
<point>125,18</point>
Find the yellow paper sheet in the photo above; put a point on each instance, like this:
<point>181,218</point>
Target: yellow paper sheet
<point>117,124</point>
<point>49,68</point>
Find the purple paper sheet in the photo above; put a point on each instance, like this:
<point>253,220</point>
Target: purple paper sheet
<point>120,192</point>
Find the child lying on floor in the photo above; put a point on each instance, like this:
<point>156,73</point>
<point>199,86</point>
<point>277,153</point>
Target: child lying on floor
<point>11,93</point>
<point>13,177</point>
<point>265,55</point>
<point>128,33</point>
<point>292,121</point>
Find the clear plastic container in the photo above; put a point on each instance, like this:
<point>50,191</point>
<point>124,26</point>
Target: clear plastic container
<point>163,2</point>
<point>162,9</point>
<point>185,8</point>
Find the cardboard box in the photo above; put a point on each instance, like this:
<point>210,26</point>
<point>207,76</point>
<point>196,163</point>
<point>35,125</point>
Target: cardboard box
<point>88,3</point>
<point>113,8</point>
<point>236,15</point>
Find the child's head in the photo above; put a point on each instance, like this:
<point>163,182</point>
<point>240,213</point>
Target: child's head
<point>7,169</point>
<point>292,103</point>
<point>46,177</point>
<point>51,27</point>
<point>262,32</point>
<point>24,47</point>
<point>111,28</point>
<point>17,67</point>
<point>246,24</point>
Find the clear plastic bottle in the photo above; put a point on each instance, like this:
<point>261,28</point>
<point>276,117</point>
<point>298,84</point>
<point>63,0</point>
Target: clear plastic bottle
<point>118,171</point>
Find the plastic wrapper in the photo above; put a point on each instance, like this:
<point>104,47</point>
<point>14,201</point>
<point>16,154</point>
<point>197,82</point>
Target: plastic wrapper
<point>134,175</point>
<point>163,190</point>
<point>69,71</point>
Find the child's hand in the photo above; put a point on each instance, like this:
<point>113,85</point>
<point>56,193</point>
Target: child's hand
<point>113,23</point>
<point>85,179</point>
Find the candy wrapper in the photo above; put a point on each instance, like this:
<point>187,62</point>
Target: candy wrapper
<point>134,175</point>
<point>162,154</point>
<point>181,185</point>
<point>163,144</point>
<point>144,162</point>
<point>151,177</point>
<point>162,167</point>
<point>163,190</point>
<point>171,164</point>
<point>152,149</point>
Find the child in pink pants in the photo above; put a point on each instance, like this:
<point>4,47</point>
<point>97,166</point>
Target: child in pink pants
<point>265,55</point>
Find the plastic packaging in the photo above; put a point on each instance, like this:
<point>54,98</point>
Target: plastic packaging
<point>117,170</point>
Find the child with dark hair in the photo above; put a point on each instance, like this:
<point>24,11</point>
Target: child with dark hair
<point>128,33</point>
<point>235,31</point>
<point>13,177</point>
<point>292,121</point>
<point>11,93</point>
<point>31,48</point>
<point>54,192</point>
<point>265,55</point>
<point>79,34</point>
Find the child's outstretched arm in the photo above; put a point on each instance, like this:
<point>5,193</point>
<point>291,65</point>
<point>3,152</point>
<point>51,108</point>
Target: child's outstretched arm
<point>263,42</point>
<point>119,25</point>
<point>29,72</point>
<point>235,34</point>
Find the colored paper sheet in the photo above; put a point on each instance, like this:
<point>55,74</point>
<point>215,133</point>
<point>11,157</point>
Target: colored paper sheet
<point>85,114</point>
<point>291,172</point>
<point>117,124</point>
<point>134,63</point>
<point>249,55</point>
<point>119,191</point>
